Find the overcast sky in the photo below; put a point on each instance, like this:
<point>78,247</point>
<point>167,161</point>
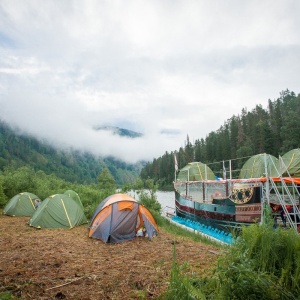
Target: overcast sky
<point>162,68</point>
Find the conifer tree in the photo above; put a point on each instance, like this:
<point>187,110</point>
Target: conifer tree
<point>106,181</point>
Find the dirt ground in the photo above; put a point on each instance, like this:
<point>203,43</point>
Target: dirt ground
<point>67,264</point>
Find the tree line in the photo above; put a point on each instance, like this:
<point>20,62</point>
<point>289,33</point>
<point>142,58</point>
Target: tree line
<point>275,131</point>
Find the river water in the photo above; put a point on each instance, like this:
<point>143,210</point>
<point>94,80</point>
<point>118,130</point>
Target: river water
<point>166,199</point>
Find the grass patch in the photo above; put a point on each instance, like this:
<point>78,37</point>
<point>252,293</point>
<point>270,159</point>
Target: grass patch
<point>6,296</point>
<point>181,286</point>
<point>263,263</point>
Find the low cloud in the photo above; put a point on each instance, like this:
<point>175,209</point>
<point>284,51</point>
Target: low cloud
<point>166,70</point>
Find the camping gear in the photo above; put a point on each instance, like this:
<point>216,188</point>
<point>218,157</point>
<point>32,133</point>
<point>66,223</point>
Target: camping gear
<point>119,217</point>
<point>21,204</point>
<point>58,211</point>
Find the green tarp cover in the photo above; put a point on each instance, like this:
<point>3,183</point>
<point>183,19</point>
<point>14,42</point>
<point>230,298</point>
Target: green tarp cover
<point>58,211</point>
<point>21,205</point>
<point>254,167</point>
<point>195,171</point>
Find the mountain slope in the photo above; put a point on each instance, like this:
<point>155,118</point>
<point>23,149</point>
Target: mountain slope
<point>120,131</point>
<point>17,149</point>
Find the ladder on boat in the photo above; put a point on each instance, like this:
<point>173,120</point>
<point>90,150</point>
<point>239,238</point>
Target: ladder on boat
<point>286,198</point>
<point>292,215</point>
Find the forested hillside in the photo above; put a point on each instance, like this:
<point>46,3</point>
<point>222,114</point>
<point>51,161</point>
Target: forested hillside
<point>274,130</point>
<point>17,150</point>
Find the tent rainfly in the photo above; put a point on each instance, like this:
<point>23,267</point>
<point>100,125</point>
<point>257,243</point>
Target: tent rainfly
<point>58,211</point>
<point>72,194</point>
<point>119,217</point>
<point>21,204</point>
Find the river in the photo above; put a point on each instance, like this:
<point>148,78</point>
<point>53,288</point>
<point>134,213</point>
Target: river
<point>166,199</point>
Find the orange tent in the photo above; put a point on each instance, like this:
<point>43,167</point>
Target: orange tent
<point>119,217</point>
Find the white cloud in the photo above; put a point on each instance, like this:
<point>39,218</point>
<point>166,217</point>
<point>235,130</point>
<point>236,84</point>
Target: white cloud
<point>153,67</point>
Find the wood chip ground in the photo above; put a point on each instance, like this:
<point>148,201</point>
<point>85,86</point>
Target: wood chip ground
<point>67,264</point>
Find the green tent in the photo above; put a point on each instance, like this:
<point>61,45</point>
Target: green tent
<point>58,211</point>
<point>290,163</point>
<point>21,205</point>
<point>195,171</point>
<point>255,166</point>
<point>72,194</point>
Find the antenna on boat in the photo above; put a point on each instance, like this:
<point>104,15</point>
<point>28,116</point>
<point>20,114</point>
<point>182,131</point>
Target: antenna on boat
<point>267,179</point>
<point>224,170</point>
<point>176,165</point>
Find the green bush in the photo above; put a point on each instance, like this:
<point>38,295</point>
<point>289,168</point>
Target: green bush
<point>149,201</point>
<point>3,198</point>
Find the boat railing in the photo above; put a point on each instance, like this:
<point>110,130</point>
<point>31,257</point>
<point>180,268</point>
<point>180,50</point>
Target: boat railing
<point>168,211</point>
<point>207,190</point>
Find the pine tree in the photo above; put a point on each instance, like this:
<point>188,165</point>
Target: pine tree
<point>106,181</point>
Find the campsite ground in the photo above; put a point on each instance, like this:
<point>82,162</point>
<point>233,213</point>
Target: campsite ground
<point>66,264</point>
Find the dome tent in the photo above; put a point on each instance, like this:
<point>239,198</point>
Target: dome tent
<point>195,171</point>
<point>119,217</point>
<point>58,211</point>
<point>290,163</point>
<point>21,204</point>
<point>255,167</point>
<point>72,194</point>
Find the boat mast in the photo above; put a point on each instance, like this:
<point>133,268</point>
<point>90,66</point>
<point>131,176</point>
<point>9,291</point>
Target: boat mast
<point>267,180</point>
<point>266,194</point>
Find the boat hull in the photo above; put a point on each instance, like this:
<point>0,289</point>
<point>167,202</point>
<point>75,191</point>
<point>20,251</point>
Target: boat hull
<point>224,217</point>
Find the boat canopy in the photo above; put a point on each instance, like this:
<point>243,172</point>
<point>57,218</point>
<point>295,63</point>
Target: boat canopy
<point>289,163</point>
<point>195,171</point>
<point>255,166</point>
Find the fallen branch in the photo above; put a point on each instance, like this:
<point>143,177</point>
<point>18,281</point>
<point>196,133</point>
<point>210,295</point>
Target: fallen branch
<point>54,287</point>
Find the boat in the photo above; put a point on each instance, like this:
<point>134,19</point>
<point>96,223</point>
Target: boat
<point>227,203</point>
